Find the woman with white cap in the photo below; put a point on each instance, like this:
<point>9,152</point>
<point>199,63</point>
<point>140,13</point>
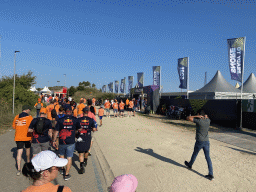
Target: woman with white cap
<point>43,169</point>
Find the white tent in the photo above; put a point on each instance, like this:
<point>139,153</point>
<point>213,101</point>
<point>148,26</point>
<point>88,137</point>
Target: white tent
<point>33,89</point>
<point>45,89</point>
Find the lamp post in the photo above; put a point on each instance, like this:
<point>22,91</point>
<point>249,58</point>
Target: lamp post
<point>65,80</point>
<point>14,81</point>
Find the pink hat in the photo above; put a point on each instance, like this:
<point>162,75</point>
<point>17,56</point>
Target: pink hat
<point>124,183</point>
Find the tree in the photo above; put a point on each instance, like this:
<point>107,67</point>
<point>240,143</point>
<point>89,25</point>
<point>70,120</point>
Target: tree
<point>85,84</point>
<point>93,85</point>
<point>72,90</point>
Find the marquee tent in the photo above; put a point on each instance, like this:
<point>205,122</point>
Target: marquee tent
<point>217,88</point>
<point>33,89</point>
<point>45,90</point>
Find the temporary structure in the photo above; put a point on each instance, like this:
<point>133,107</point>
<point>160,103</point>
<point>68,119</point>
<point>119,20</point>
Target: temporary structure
<point>217,88</point>
<point>33,89</point>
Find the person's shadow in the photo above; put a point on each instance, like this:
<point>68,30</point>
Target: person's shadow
<point>24,157</point>
<point>74,159</point>
<point>165,159</point>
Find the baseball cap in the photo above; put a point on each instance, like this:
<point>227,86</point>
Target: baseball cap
<point>25,107</point>
<point>43,110</point>
<point>124,183</point>
<point>46,159</point>
<point>85,109</point>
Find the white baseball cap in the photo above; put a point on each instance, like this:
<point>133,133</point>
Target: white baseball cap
<point>46,159</point>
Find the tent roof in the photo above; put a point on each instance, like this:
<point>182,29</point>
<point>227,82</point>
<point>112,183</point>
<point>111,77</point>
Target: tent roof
<point>249,85</point>
<point>217,84</point>
<point>32,88</point>
<point>46,89</point>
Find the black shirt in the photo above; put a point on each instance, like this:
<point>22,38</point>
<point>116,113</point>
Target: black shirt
<point>41,138</point>
<point>86,124</point>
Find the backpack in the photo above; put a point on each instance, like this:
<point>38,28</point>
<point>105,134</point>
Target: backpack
<point>53,112</point>
<point>39,129</point>
<point>38,106</point>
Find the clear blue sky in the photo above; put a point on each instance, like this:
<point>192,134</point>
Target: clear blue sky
<point>102,41</point>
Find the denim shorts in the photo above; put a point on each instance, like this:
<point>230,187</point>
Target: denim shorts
<point>115,110</point>
<point>67,150</point>
<point>107,110</point>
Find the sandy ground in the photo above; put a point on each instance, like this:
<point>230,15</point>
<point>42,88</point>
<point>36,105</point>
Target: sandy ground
<point>155,152</point>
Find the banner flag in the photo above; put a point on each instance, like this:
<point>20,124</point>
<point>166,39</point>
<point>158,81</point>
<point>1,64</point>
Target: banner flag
<point>236,57</point>
<point>122,86</point>
<point>130,83</point>
<point>116,86</point>
<point>183,72</point>
<point>156,75</point>
<point>140,79</point>
<point>111,87</point>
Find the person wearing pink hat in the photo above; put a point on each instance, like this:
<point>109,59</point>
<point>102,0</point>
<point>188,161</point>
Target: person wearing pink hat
<point>124,183</point>
<point>43,169</point>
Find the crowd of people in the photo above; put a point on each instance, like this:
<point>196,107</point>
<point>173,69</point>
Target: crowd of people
<point>65,126</point>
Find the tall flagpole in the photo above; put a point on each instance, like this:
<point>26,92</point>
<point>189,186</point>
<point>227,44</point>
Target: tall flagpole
<point>188,81</point>
<point>241,124</point>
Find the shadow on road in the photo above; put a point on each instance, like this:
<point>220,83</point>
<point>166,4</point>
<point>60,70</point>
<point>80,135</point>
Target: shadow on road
<point>242,151</point>
<point>14,155</point>
<point>74,159</point>
<point>165,159</point>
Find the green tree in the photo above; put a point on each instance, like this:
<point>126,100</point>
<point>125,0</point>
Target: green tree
<point>72,90</point>
<point>93,85</point>
<point>85,84</point>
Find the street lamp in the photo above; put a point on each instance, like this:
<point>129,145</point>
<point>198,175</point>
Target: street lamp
<point>65,80</point>
<point>14,81</point>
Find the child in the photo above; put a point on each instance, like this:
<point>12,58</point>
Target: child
<point>101,113</point>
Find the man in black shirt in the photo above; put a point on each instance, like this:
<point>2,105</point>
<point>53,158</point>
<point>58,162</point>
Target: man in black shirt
<point>84,138</point>
<point>202,141</point>
<point>66,127</point>
<point>41,142</point>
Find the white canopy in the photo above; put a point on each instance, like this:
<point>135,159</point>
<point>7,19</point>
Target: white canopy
<point>45,89</point>
<point>33,89</point>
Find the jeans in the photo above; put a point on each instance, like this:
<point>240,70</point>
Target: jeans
<point>206,147</point>
<point>37,112</point>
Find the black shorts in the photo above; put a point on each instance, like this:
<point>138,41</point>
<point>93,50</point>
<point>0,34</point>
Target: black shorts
<point>20,144</point>
<point>83,147</point>
<point>129,109</point>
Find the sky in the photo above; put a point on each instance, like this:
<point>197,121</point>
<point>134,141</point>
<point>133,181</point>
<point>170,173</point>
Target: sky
<point>103,41</point>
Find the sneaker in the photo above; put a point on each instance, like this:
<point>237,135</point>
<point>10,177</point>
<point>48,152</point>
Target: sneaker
<point>18,173</point>
<point>187,164</point>
<point>81,170</point>
<point>210,177</point>
<point>85,163</point>
<point>67,177</point>
<point>62,171</point>
<point>89,153</point>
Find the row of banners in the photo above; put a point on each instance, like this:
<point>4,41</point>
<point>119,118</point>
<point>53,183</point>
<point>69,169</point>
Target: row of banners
<point>140,81</point>
<point>236,48</point>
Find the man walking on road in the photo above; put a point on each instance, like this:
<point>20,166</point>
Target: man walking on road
<point>38,106</point>
<point>66,127</point>
<point>21,123</point>
<point>202,141</point>
<point>41,128</point>
<point>107,107</point>
<point>121,106</point>
<point>84,138</point>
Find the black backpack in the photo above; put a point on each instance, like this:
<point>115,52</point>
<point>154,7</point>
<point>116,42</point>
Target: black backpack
<point>39,129</point>
<point>54,112</point>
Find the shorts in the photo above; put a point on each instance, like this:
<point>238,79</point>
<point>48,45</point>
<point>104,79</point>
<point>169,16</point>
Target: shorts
<point>129,109</point>
<point>121,110</point>
<point>83,147</point>
<point>115,110</point>
<point>67,150</point>
<point>20,144</point>
<point>100,117</point>
<point>133,109</point>
<point>38,147</point>
<point>107,110</point>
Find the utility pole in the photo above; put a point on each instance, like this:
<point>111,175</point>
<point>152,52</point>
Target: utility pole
<point>14,81</point>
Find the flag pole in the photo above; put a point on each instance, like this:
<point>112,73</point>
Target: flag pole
<point>241,120</point>
<point>188,80</point>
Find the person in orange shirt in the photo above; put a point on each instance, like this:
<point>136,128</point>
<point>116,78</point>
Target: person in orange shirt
<point>38,106</point>
<point>80,108</point>
<point>107,107</point>
<point>100,114</point>
<point>43,169</point>
<point>49,109</point>
<point>21,124</point>
<point>93,101</point>
<point>130,108</point>
<point>56,106</point>
<point>127,103</point>
<point>121,106</point>
<point>115,108</point>
<point>84,101</point>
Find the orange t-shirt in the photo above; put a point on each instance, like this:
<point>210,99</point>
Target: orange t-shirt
<point>21,128</point>
<point>115,105</point>
<point>101,112</point>
<point>49,108</point>
<point>107,105</point>
<point>57,98</point>
<point>74,111</point>
<point>121,106</point>
<point>48,187</point>
<point>57,107</point>
<point>127,101</point>
<point>80,108</point>
<point>41,104</point>
<point>131,104</point>
<point>93,100</point>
